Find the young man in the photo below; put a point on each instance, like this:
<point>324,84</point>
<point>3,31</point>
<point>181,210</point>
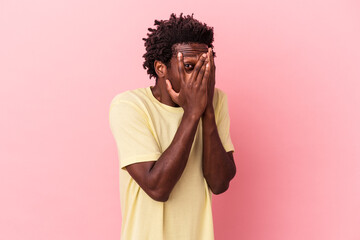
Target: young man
<point>173,138</point>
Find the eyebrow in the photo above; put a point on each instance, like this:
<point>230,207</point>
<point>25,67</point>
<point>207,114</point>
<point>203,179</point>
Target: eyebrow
<point>190,55</point>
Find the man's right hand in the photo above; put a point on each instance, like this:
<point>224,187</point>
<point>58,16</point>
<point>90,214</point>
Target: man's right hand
<point>192,96</point>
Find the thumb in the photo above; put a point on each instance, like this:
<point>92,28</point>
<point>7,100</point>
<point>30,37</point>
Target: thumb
<point>174,95</point>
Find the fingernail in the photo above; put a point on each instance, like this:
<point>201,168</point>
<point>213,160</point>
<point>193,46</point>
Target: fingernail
<point>179,54</point>
<point>204,55</point>
<point>207,65</point>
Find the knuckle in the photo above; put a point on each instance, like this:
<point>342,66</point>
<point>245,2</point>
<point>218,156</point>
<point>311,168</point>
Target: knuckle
<point>197,67</point>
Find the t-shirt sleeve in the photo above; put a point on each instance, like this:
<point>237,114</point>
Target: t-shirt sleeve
<point>133,135</point>
<point>222,119</point>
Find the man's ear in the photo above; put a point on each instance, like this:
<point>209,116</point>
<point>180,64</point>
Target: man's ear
<point>160,69</point>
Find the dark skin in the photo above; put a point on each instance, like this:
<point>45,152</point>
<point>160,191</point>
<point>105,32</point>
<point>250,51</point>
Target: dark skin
<point>189,83</point>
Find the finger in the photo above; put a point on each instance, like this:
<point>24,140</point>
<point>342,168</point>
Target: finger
<point>181,67</point>
<point>201,73</point>
<point>211,53</point>
<point>174,95</point>
<point>212,65</point>
<point>206,77</point>
<point>197,67</point>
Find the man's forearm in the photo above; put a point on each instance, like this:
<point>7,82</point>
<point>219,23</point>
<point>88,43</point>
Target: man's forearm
<point>168,168</point>
<point>218,167</point>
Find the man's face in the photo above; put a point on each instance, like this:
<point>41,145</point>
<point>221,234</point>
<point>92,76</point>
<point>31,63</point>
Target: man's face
<point>191,54</point>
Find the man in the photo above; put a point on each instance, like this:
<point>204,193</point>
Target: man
<point>173,138</point>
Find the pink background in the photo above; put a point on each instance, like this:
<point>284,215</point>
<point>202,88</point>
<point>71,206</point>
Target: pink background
<point>291,70</point>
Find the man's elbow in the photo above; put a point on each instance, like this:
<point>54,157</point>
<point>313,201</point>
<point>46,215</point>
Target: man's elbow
<point>220,189</point>
<point>159,195</point>
<point>223,186</point>
<point>233,173</point>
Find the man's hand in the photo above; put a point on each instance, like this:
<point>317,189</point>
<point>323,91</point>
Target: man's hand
<point>193,94</point>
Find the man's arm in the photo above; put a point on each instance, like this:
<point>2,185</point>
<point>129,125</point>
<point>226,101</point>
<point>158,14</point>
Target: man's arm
<point>218,165</point>
<point>158,178</point>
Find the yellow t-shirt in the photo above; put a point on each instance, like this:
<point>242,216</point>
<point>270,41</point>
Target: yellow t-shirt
<point>143,128</point>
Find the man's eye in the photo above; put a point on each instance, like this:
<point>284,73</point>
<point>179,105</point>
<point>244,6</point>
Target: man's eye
<point>188,66</point>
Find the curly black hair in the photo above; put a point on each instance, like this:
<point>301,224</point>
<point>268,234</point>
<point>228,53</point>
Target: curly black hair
<point>183,29</point>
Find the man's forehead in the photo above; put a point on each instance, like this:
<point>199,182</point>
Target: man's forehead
<point>191,49</point>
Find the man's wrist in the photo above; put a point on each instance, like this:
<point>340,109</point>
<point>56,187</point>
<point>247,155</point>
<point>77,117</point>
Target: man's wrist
<point>209,112</point>
<point>192,116</point>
